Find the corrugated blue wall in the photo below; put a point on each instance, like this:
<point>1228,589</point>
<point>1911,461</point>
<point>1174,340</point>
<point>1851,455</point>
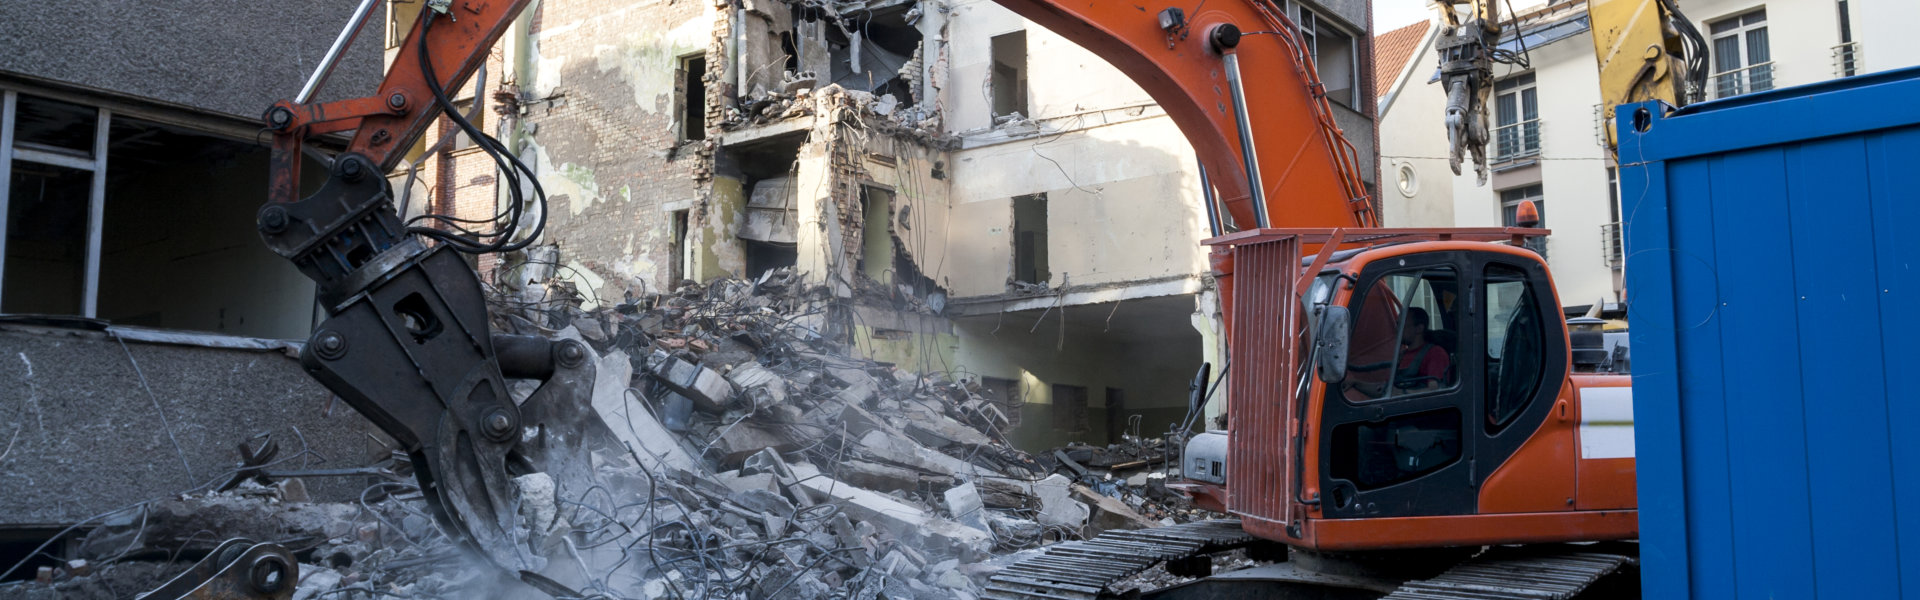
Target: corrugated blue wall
<point>1773,275</point>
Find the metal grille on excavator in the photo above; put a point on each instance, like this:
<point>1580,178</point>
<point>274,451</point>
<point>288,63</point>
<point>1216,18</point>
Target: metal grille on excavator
<point>1081,570</point>
<point>1549,577</point>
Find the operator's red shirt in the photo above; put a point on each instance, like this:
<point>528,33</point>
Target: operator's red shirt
<point>1427,360</point>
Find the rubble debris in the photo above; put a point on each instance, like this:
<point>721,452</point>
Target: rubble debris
<point>762,463</point>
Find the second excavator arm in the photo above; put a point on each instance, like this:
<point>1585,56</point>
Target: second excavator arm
<point>1645,50</point>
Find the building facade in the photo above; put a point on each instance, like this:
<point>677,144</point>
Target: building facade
<point>985,198</point>
<point>1548,142</point>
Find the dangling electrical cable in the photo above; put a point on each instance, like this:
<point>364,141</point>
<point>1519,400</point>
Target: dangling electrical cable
<point>508,165</point>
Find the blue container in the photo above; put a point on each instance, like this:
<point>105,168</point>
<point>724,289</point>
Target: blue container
<point>1773,274</point>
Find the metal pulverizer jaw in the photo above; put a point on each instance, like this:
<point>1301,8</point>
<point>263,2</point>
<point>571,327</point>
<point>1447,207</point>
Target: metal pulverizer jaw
<point>407,344</point>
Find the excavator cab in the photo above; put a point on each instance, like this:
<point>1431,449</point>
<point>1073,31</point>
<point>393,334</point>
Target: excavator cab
<point>1424,412</point>
<point>1433,404</point>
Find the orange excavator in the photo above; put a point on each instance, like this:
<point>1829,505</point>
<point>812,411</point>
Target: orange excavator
<point>1400,400</point>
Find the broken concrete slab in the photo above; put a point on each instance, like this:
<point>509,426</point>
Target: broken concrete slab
<point>880,446</point>
<point>708,390</point>
<point>758,383</point>
<point>899,519</point>
<point>633,423</point>
<point>1057,506</point>
<point>964,502</point>
<point>1110,513</point>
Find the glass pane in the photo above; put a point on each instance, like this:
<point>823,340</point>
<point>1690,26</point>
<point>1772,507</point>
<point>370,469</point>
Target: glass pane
<point>1529,105</point>
<point>1506,110</point>
<point>1725,26</point>
<point>1754,18</point>
<point>46,239</point>
<point>1530,136</point>
<point>1375,455</point>
<point>1760,79</point>
<point>1403,341</point>
<point>1726,53</point>
<point>1516,343</point>
<point>1757,47</point>
<point>53,123</point>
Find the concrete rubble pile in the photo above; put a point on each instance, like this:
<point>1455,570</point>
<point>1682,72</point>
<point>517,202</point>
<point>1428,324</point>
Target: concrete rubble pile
<point>875,479</point>
<point>766,463</point>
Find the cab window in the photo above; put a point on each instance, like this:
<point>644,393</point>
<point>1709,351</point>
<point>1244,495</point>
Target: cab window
<point>1516,341</point>
<point>1404,335</point>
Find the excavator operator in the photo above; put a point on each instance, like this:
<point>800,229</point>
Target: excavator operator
<point>1423,364</point>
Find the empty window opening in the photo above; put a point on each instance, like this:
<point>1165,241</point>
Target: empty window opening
<point>682,262</point>
<point>871,54</point>
<point>876,238</point>
<point>693,98</point>
<point>1030,239</point>
<point>461,141</point>
<point>1070,408</point>
<point>767,256</point>
<point>46,260</point>
<point>1117,416</point>
<point>1333,57</point>
<point>1009,82</point>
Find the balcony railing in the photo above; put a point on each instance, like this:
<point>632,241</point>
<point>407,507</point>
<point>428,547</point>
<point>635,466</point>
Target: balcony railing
<point>1610,246</point>
<point>1757,78</point>
<point>1846,59</point>
<point>1517,140</point>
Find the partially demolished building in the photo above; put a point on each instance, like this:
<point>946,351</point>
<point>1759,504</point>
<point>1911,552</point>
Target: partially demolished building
<point>985,198</point>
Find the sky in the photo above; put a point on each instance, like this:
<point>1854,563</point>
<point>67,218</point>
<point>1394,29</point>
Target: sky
<point>1389,15</point>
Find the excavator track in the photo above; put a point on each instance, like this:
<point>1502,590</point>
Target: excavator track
<point>1515,574</point>
<point>1083,570</point>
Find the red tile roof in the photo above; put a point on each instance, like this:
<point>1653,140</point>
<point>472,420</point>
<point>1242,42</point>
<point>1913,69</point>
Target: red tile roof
<point>1391,51</point>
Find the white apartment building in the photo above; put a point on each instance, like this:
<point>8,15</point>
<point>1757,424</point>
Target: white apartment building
<point>1548,145</point>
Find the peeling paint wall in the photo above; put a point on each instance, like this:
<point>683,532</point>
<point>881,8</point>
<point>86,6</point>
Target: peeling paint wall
<point>1123,203</point>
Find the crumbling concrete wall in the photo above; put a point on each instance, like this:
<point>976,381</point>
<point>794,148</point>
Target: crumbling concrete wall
<point>1123,204</point>
<point>600,100</point>
<point>98,422</point>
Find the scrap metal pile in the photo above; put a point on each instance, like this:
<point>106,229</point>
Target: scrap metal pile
<point>762,462</point>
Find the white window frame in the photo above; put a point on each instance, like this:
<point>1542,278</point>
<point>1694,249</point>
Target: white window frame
<point>1310,24</point>
<point>1738,80</point>
<point>97,197</point>
<point>1522,129</point>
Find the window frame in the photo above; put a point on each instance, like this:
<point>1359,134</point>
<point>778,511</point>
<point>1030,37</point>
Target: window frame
<point>1519,86</point>
<point>16,150</point>
<point>1530,299</point>
<point>1356,303</point>
<point>1309,24</point>
<point>1740,32</point>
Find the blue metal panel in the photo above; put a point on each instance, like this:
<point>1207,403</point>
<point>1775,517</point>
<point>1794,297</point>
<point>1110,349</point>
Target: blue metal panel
<point>1846,426</point>
<point>1896,210</point>
<point>1775,308</point>
<point>1656,406</point>
<point>1767,469</point>
<point>1707,490</point>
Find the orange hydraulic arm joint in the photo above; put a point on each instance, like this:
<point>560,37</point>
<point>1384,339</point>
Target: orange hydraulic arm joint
<point>387,123</point>
<point>1188,56</point>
